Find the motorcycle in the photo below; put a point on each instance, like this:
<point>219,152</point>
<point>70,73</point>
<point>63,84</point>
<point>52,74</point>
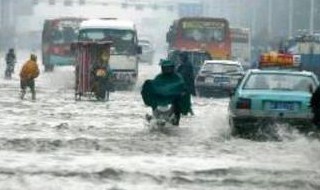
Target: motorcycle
<point>162,117</point>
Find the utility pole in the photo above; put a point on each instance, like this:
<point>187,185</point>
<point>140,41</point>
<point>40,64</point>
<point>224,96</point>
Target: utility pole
<point>4,24</point>
<point>270,12</point>
<point>2,13</point>
<point>238,13</point>
<point>290,18</point>
<point>253,18</point>
<point>311,16</point>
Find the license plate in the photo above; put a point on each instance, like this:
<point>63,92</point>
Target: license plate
<point>281,106</point>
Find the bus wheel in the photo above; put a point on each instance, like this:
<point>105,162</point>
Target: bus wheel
<point>48,68</point>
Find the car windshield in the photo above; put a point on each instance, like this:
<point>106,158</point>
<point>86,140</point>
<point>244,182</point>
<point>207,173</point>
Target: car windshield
<point>272,81</point>
<point>221,68</point>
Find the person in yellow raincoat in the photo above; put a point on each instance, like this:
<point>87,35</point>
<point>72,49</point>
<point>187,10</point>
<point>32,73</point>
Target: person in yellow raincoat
<point>28,73</point>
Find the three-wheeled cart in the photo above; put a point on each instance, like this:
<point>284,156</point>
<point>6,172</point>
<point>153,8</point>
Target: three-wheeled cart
<point>88,55</point>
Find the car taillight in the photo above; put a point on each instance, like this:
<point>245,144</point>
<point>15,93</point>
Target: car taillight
<point>244,103</point>
<point>200,78</point>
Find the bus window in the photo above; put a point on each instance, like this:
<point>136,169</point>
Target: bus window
<point>57,36</point>
<point>69,34</point>
<point>203,31</point>
<point>217,34</point>
<point>123,41</point>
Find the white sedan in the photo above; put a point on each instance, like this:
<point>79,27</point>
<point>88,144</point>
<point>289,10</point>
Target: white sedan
<point>218,77</point>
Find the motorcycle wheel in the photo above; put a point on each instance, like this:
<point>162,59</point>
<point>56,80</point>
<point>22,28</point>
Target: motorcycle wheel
<point>102,94</point>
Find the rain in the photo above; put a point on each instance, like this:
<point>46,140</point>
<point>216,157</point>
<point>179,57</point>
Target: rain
<point>59,142</point>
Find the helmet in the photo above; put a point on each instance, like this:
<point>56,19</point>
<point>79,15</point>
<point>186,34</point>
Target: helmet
<point>166,63</point>
<point>33,57</point>
<point>167,66</point>
<point>11,50</point>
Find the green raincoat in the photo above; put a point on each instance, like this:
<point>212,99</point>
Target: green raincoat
<point>164,89</point>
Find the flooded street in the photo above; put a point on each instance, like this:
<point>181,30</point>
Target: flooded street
<point>59,143</point>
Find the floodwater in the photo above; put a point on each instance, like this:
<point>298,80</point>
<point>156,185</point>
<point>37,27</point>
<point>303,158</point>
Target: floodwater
<point>59,143</point>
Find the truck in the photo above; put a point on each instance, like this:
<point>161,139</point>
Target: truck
<point>308,47</point>
<point>241,45</point>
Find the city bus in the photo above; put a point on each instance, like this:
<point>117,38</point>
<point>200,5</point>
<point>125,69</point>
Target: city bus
<point>124,48</point>
<point>200,33</point>
<point>57,36</point>
<point>241,45</point>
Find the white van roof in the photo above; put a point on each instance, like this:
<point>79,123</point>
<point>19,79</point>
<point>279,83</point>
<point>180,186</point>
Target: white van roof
<point>107,24</point>
<point>228,62</point>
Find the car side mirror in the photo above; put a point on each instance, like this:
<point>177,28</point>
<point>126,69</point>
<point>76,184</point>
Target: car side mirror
<point>239,80</point>
<point>231,92</point>
<point>139,50</point>
<point>311,89</point>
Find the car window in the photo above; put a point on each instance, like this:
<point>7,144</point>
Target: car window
<point>145,47</point>
<point>144,42</point>
<point>271,81</point>
<point>221,68</point>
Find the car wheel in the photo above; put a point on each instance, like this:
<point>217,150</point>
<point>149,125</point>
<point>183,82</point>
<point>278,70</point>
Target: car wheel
<point>48,68</point>
<point>233,128</point>
<point>240,129</point>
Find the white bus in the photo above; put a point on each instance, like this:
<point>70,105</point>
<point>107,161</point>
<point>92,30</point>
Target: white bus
<point>124,50</point>
<point>241,45</point>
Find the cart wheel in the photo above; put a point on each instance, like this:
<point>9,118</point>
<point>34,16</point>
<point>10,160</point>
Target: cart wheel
<point>77,96</point>
<point>92,96</point>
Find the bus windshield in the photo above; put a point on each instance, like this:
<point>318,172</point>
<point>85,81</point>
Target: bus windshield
<point>63,31</point>
<point>204,31</point>
<point>123,40</point>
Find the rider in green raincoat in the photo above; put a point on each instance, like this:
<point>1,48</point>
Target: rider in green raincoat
<point>167,88</point>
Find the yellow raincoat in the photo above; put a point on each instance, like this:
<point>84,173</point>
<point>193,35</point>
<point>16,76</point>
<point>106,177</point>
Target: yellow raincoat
<point>29,70</point>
